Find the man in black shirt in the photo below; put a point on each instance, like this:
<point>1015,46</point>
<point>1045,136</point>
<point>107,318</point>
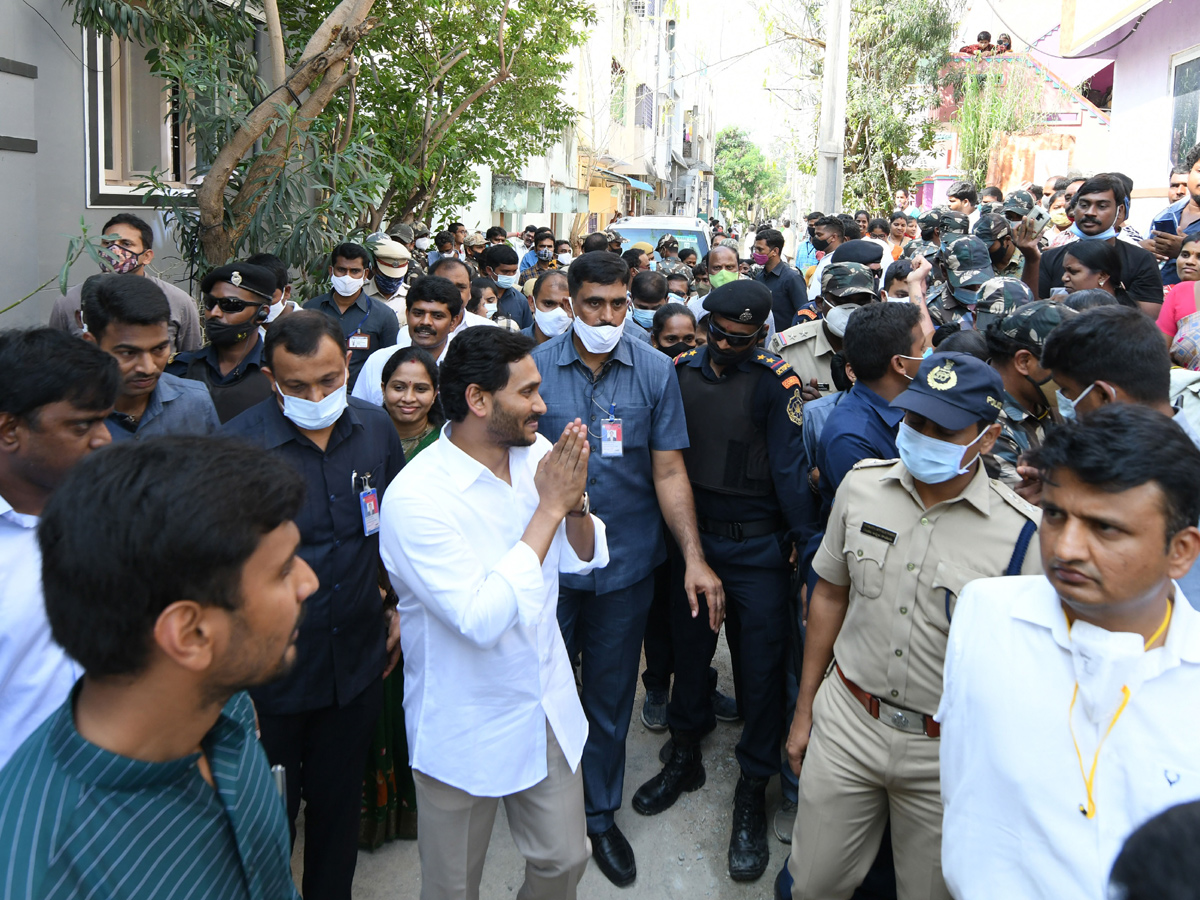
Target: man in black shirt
<point>1096,205</point>
<point>318,721</point>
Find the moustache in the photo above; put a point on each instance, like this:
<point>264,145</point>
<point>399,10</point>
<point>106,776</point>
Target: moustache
<point>424,329</point>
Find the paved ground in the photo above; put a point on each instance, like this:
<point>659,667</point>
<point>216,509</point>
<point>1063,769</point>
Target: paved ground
<point>681,853</point>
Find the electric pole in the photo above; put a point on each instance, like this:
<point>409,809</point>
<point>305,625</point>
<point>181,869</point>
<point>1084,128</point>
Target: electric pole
<point>832,131</point>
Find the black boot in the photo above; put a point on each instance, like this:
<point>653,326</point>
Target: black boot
<point>748,853</point>
<point>684,771</point>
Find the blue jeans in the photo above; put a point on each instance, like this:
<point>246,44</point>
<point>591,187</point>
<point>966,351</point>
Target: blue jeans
<point>606,629</point>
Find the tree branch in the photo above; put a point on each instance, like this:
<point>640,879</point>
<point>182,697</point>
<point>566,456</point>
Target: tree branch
<point>275,38</point>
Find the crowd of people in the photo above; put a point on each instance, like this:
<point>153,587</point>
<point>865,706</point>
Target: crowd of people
<point>935,474</point>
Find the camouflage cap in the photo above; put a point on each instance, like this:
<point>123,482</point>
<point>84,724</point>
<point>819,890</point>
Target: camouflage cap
<point>420,229</point>
<point>953,222</point>
<point>967,263</point>
<point>931,218</point>
<point>475,239</point>
<point>1018,204</point>
<point>1030,324</point>
<point>928,249</point>
<point>614,237</point>
<point>998,297</point>
<point>403,233</point>
<point>991,228</point>
<point>844,279</point>
<point>667,240</point>
<point>990,206</point>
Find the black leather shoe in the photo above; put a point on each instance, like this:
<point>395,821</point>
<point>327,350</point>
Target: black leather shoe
<point>614,856</point>
<point>748,853</point>
<point>684,771</point>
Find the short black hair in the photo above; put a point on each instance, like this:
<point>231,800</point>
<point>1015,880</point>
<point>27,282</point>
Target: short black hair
<point>593,242</point>
<point>349,250</point>
<point>688,251</point>
<point>677,277</point>
<point>897,214</point>
<point>964,190</point>
<point>443,237</point>
<point>667,312</point>
<point>142,226</point>
<point>413,353</point>
<point>1158,861</point>
<point>877,332</point>
<point>633,256</point>
<point>1062,183</point>
<point>1089,299</point>
<point>108,573</point>
<point>300,334</point>
<point>1192,156</point>
<point>1035,190</point>
<point>478,286</point>
<point>496,231</point>
<point>772,238</point>
<point>541,234</point>
<point>129,299</point>
<point>597,268</point>
<point>649,287</point>
<point>448,262</point>
<point>454,226</point>
<point>434,289</point>
<point>1099,256</point>
<point>850,229</point>
<point>898,271</point>
<point>1116,344</point>
<point>499,255</point>
<point>983,37</point>
<point>992,193</point>
<point>831,223</point>
<point>815,214</point>
<point>967,341</point>
<point>1122,446</point>
<point>479,356</point>
<point>546,277</point>
<point>276,265</point>
<point>40,366</point>
<point>701,271</point>
<point>879,224</point>
<point>1100,184</point>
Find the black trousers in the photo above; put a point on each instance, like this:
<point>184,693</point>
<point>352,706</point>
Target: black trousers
<point>325,752</point>
<point>759,634</point>
<point>660,655</point>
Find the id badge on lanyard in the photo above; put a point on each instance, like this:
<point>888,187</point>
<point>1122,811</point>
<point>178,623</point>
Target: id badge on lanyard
<point>358,340</point>
<point>611,435</point>
<point>368,502</point>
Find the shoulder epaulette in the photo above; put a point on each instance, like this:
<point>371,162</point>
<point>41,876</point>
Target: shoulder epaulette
<point>800,332</point>
<point>777,364</point>
<point>1013,499</point>
<point>686,356</point>
<point>873,463</point>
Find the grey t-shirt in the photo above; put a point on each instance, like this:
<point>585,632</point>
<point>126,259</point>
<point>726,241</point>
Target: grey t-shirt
<point>185,316</point>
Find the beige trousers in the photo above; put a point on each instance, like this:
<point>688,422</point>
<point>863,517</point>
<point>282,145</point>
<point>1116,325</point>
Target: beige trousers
<point>857,772</point>
<point>547,823</point>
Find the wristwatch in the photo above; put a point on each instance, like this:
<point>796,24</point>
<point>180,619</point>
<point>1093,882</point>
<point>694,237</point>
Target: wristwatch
<point>585,510</point>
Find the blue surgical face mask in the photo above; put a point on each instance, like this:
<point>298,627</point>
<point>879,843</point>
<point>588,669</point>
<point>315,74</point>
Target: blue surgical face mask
<point>1066,407</point>
<point>506,282</point>
<point>929,460</point>
<point>644,317</point>
<point>314,416</point>
<point>1106,235</point>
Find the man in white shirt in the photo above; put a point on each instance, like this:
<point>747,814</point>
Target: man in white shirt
<point>1066,713</point>
<point>55,393</point>
<point>474,534</point>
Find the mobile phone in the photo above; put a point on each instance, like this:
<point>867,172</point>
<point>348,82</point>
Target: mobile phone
<point>1040,218</point>
<point>1164,226</point>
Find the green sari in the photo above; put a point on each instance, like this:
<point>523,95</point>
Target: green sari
<point>389,796</point>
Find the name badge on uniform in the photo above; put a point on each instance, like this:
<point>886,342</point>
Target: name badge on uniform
<point>368,500</point>
<point>611,443</point>
<point>359,342</point>
<point>876,532</point>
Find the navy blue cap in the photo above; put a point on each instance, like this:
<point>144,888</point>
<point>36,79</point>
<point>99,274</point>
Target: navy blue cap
<point>745,301</point>
<point>954,390</point>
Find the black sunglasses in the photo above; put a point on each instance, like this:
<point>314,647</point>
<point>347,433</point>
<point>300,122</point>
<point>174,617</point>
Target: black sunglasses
<point>228,304</point>
<point>717,333</point>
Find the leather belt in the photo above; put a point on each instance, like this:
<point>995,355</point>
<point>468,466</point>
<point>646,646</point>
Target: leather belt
<point>740,531</point>
<point>903,719</point>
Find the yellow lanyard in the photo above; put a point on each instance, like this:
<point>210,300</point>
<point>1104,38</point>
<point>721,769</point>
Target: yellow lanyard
<point>1089,778</point>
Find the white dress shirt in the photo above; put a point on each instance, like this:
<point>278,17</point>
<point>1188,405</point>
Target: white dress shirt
<point>36,675</point>
<point>1011,780</point>
<point>369,386</point>
<point>484,662</point>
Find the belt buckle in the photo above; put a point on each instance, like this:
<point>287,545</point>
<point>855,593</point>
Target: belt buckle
<point>901,719</point>
<point>735,531</point>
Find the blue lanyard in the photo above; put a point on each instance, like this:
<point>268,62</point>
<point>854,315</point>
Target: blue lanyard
<point>359,326</point>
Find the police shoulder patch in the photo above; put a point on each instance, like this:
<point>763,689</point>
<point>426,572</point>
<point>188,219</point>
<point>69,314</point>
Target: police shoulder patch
<point>777,364</point>
<point>873,463</point>
<point>1009,496</point>
<point>684,357</point>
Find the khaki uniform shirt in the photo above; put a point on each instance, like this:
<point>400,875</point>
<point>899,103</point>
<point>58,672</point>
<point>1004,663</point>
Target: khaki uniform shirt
<point>905,566</point>
<point>807,350</point>
<point>1020,432</point>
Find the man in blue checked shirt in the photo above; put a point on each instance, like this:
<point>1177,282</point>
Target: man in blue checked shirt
<point>627,394</point>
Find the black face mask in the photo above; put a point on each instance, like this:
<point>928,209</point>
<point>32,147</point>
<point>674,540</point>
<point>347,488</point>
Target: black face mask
<point>998,257</point>
<point>223,334</point>
<point>733,355</point>
<point>675,349</point>
<point>819,244</point>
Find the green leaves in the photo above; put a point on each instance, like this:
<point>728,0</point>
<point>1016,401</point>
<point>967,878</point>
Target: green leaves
<point>741,174</point>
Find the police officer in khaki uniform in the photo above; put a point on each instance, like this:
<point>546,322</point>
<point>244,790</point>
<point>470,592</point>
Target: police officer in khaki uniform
<point>902,541</point>
<point>810,347</point>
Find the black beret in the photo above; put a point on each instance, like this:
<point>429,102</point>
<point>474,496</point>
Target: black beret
<point>255,279</point>
<point>745,301</point>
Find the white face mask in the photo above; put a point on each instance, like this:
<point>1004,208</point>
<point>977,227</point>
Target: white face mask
<point>490,309</point>
<point>838,316</point>
<point>347,285</point>
<point>424,243</point>
<point>599,338</point>
<point>318,415</point>
<point>553,322</point>
<point>564,259</point>
<point>275,310</point>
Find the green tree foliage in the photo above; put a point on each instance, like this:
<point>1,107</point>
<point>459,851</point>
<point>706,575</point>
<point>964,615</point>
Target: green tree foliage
<point>448,84</point>
<point>990,106</point>
<point>742,175</point>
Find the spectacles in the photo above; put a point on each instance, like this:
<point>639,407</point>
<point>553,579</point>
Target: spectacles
<point>717,333</point>
<point>229,304</point>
